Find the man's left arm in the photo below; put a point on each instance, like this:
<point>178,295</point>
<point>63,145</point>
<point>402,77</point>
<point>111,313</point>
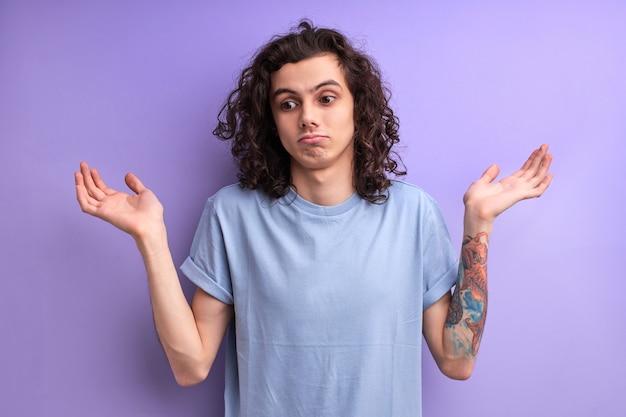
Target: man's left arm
<point>453,326</point>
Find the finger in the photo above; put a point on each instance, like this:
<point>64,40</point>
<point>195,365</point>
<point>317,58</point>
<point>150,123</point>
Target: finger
<point>533,164</point>
<point>87,203</point>
<point>97,179</point>
<point>490,174</point>
<point>538,173</point>
<point>546,182</point>
<point>544,166</point>
<point>134,183</point>
<point>542,187</point>
<point>90,186</point>
<point>529,161</point>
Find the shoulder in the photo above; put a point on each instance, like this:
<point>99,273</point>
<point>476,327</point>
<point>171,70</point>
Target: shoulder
<point>406,193</point>
<point>231,191</point>
<point>412,201</point>
<point>234,197</point>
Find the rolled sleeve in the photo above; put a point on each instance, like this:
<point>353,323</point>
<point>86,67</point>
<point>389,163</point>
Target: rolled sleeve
<point>205,282</point>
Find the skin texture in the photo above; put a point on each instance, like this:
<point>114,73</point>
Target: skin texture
<point>190,338</point>
<point>453,326</point>
<point>470,294</point>
<point>313,111</point>
<point>314,116</point>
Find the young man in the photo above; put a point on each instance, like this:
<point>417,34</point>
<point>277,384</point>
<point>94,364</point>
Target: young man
<point>327,271</point>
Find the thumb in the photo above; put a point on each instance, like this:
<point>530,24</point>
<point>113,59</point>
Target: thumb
<point>134,183</point>
<point>490,174</point>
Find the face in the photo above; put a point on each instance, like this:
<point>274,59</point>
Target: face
<point>313,111</point>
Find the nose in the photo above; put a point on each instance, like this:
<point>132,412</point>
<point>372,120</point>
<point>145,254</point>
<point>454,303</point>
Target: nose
<point>308,115</point>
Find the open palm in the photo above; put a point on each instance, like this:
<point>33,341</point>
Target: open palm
<point>132,213</point>
<point>490,199</point>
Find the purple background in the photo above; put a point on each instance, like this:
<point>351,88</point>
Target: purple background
<point>136,86</point>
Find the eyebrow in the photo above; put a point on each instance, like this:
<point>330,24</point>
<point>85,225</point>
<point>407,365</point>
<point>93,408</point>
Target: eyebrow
<point>317,87</point>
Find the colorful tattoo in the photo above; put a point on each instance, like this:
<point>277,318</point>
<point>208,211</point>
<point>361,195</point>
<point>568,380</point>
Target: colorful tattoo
<point>470,295</point>
<point>455,313</point>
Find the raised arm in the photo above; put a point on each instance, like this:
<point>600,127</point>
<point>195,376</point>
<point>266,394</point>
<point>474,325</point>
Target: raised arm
<point>454,325</point>
<point>190,338</point>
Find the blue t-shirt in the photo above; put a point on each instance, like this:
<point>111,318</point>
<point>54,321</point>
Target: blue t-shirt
<point>328,300</point>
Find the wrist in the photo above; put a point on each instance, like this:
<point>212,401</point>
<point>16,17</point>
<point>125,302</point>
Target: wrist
<point>475,221</point>
<point>152,241</point>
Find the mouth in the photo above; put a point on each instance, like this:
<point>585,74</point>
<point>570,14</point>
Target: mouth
<point>312,139</point>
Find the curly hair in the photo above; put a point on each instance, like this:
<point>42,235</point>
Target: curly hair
<point>246,117</point>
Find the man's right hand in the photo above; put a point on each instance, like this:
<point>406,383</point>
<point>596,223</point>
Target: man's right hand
<point>136,214</point>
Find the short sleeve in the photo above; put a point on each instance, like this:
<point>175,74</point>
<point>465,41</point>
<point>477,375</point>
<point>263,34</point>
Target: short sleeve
<point>440,263</point>
<point>207,264</point>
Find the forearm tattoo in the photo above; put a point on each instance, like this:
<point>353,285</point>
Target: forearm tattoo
<point>469,299</point>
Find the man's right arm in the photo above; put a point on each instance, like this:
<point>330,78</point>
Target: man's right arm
<point>191,336</point>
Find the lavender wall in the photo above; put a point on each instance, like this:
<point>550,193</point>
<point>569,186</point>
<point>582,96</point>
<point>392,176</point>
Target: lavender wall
<point>136,86</point>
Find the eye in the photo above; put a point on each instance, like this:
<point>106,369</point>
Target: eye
<point>327,99</point>
<point>287,105</point>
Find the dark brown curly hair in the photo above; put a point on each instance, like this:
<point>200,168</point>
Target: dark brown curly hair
<point>247,119</point>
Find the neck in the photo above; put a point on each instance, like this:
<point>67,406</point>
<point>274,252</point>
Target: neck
<point>323,187</point>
